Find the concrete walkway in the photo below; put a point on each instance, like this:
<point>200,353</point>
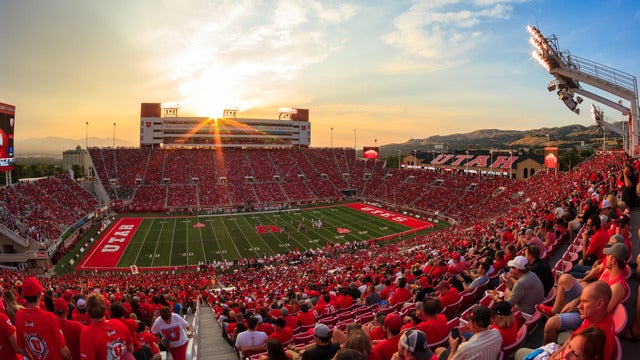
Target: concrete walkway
<point>210,344</point>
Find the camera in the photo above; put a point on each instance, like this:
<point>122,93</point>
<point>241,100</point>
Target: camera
<point>455,333</point>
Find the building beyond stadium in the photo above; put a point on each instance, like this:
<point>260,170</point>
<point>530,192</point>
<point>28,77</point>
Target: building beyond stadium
<point>160,126</point>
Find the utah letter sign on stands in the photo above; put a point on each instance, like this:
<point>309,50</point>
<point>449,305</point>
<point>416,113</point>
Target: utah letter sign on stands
<point>476,160</point>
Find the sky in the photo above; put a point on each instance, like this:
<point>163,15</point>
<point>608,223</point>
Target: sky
<point>376,72</point>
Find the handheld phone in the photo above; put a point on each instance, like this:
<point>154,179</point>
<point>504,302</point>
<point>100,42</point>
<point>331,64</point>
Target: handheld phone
<point>455,333</point>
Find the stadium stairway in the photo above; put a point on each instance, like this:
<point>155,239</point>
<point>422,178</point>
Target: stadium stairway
<point>211,344</point>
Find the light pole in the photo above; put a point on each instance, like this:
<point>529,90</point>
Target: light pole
<point>399,161</point>
<point>491,163</point>
<point>86,136</point>
<point>332,138</point>
<point>355,139</point>
<point>114,135</point>
<point>467,161</point>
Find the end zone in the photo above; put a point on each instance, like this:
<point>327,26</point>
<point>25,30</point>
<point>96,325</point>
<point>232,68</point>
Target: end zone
<point>413,223</point>
<point>107,252</point>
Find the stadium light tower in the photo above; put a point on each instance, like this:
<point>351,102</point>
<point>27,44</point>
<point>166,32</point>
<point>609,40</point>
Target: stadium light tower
<point>570,72</point>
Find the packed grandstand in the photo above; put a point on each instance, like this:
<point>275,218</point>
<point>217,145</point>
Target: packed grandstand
<point>487,212</point>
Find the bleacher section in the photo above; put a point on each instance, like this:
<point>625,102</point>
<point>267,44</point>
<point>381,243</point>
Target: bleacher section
<point>180,179</point>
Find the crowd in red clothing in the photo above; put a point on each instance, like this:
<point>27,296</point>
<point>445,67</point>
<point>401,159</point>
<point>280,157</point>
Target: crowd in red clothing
<point>43,209</point>
<point>187,178</point>
<point>325,281</point>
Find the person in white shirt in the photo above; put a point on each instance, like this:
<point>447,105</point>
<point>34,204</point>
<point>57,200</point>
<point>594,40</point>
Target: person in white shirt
<point>170,328</point>
<point>485,344</point>
<point>250,341</point>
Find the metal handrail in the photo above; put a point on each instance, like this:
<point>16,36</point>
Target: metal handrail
<point>604,72</point>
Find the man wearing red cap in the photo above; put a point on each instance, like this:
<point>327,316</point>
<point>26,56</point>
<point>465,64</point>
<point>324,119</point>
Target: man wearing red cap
<point>70,328</point>
<point>392,326</point>
<point>39,333</point>
<point>448,294</point>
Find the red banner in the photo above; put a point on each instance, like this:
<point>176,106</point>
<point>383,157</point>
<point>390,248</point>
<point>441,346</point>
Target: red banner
<point>551,157</point>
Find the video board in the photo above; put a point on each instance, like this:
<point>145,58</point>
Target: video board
<point>7,122</point>
<point>371,152</point>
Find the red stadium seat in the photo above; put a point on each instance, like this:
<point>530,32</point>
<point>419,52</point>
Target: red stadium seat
<point>620,318</point>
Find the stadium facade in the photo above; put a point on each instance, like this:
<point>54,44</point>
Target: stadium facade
<point>160,126</point>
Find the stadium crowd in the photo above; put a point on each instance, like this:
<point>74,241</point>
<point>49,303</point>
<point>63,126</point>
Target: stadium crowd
<point>383,300</point>
<point>191,179</point>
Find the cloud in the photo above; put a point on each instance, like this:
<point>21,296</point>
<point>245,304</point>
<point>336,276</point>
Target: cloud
<point>242,54</point>
<point>436,34</point>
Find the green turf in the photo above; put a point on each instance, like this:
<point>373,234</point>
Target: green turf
<point>173,241</point>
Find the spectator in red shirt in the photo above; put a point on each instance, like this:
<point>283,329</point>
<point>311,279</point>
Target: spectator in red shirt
<point>149,340</point>
<point>388,290</point>
<point>499,262</point>
<point>103,337</point>
<point>343,300</point>
<point>448,294</point>
<point>503,320</point>
<point>392,327</point>
<point>80,312</point>
<point>401,293</point>
<point>39,331</point>
<point>282,332</point>
<point>70,328</point>
<point>305,317</point>
<point>263,326</point>
<point>507,237</point>
<point>291,320</point>
<point>8,339</point>
<point>457,266</point>
<point>376,330</point>
<point>434,324</point>
<point>593,241</point>
<point>117,312</point>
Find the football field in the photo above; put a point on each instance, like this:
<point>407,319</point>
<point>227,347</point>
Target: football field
<point>163,242</point>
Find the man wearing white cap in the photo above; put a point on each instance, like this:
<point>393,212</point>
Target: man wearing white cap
<point>524,288</point>
<point>605,213</point>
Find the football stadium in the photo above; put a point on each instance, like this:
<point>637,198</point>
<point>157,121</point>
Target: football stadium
<point>240,226</point>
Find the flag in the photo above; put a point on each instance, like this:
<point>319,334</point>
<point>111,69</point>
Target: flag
<point>343,231</point>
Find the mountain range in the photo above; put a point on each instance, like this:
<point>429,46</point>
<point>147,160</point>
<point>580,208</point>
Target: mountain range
<point>569,136</point>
